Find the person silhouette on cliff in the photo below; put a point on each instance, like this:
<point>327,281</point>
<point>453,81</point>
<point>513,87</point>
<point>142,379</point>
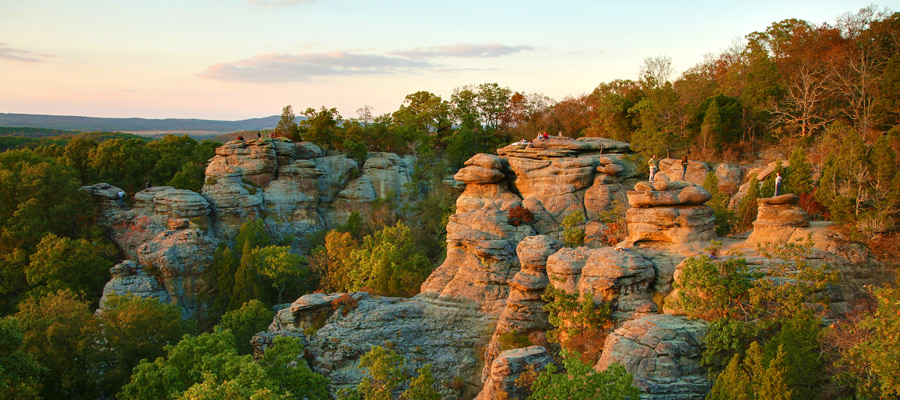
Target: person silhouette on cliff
<point>654,167</point>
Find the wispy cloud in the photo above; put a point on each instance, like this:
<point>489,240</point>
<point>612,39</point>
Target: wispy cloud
<point>463,50</point>
<point>304,67</point>
<point>277,2</point>
<point>9,53</point>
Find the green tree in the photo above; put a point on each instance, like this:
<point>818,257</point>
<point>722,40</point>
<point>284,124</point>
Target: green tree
<point>172,152</point>
<point>76,264</point>
<point>77,154</point>
<point>714,288</point>
<point>126,163</point>
<point>60,333</point>
<point>579,381</point>
<point>876,358</point>
<point>287,127</point>
<point>754,378</point>
<point>190,177</point>
<point>321,127</point>
<point>573,229</point>
<point>283,365</point>
<point>389,263</point>
<point>798,178</point>
<point>135,328</point>
<point>385,372</point>
<point>332,263</point>
<point>747,208</point>
<point>19,373</point>
<point>253,317</point>
<point>280,265</point>
<point>725,218</point>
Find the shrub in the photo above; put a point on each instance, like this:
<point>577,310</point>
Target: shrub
<point>573,229</point>
<point>519,215</point>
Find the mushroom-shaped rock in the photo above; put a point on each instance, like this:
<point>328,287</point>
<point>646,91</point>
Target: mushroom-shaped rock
<point>534,250</point>
<point>777,219</point>
<point>663,353</point>
<point>673,193</point>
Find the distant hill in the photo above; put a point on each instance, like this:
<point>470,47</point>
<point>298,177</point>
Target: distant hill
<point>72,123</point>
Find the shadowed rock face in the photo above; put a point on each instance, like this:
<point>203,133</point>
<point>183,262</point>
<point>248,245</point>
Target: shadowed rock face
<point>663,352</point>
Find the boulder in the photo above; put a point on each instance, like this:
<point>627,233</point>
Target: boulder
<point>671,168</point>
<point>129,277</point>
<point>508,367</point>
<point>622,279</point>
<point>663,353</point>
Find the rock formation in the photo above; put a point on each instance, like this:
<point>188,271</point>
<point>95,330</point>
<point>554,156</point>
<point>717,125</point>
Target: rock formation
<point>777,219</point>
<point>508,367</point>
<point>663,353</point>
<point>128,277</point>
<point>621,279</point>
<point>669,213</point>
<point>552,178</point>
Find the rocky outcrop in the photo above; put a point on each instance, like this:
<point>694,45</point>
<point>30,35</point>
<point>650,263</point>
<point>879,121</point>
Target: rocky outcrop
<point>181,257</point>
<point>777,219</point>
<point>128,277</point>
<point>671,168</point>
<point>551,178</point>
<point>621,279</point>
<point>671,214</point>
<point>309,312</point>
<point>156,209</point>
<point>481,256</point>
<point>663,353</point>
<point>446,334</point>
<point>508,367</point>
<point>524,315</point>
<point>296,187</point>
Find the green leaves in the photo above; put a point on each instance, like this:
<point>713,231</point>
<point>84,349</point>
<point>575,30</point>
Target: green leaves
<point>579,381</point>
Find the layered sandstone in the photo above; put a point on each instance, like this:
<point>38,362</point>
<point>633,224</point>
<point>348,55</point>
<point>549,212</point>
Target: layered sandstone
<point>671,214</point>
<point>508,367</point>
<point>663,353</point>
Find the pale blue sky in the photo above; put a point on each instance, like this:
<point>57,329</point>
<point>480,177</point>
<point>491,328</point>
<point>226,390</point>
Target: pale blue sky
<point>237,59</point>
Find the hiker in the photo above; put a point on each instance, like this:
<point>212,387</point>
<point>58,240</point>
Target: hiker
<point>258,135</point>
<point>777,183</point>
<point>654,167</point>
<point>121,197</point>
<point>545,136</point>
<point>684,165</point>
<point>240,138</point>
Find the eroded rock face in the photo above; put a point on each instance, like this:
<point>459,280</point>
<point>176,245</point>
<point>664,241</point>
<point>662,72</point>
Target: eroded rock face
<point>181,257</point>
<point>663,352</point>
<point>128,277</point>
<point>622,279</point>
<point>777,219</point>
<point>296,187</point>
<point>508,367</point>
<point>156,209</point>
<point>524,313</point>
<point>310,311</point>
<point>424,330</point>
<point>669,213</point>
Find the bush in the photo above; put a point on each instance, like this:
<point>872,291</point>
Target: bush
<point>573,229</point>
<point>518,215</point>
<point>579,381</point>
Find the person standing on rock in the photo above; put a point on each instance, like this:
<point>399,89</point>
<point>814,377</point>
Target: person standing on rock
<point>684,165</point>
<point>121,197</point>
<point>654,166</point>
<point>777,183</point>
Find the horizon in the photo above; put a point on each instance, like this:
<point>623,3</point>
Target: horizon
<point>239,59</point>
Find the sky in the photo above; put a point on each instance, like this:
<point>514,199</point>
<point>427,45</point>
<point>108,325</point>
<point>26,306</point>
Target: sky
<point>239,59</point>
